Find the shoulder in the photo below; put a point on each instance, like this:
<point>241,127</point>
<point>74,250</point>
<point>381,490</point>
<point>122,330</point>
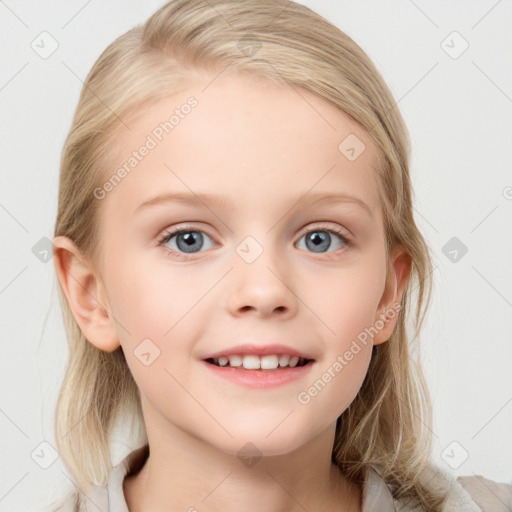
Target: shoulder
<point>464,493</point>
<point>103,498</point>
<point>489,495</point>
<point>75,501</point>
<point>70,502</point>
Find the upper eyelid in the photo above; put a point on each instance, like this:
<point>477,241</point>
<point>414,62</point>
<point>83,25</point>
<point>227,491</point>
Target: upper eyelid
<point>324,227</point>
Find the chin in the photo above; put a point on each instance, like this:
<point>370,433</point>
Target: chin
<point>257,443</point>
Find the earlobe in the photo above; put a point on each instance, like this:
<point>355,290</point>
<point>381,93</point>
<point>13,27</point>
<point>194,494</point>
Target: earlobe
<point>389,307</point>
<point>85,294</point>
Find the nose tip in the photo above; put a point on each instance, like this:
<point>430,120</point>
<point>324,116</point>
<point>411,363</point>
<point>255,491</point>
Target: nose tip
<point>261,291</point>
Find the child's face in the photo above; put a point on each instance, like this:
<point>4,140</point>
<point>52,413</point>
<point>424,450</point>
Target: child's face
<point>251,274</point>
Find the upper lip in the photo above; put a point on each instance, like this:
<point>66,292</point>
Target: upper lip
<point>259,350</point>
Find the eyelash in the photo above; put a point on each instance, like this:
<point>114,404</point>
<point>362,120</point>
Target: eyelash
<point>169,234</point>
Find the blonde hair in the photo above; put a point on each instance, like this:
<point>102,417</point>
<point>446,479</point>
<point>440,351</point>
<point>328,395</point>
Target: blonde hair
<point>388,423</point>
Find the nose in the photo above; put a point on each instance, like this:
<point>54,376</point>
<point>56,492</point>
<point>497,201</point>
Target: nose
<point>262,288</point>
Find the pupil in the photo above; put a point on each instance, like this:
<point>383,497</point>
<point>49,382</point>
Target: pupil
<point>189,238</point>
<point>318,239</point>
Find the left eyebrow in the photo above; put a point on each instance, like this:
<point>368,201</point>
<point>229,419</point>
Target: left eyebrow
<point>222,202</point>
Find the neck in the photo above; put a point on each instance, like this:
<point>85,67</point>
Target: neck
<point>185,473</point>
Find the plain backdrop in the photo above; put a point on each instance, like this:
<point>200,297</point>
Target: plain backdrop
<point>449,67</point>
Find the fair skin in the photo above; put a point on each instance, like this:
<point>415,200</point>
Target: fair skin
<point>263,147</point>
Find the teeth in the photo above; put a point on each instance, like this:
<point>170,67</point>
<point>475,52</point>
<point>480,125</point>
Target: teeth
<point>251,362</point>
<point>254,362</point>
<point>235,361</point>
<point>284,360</point>
<point>269,362</point>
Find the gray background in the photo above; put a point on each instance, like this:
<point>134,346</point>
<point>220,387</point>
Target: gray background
<point>458,107</point>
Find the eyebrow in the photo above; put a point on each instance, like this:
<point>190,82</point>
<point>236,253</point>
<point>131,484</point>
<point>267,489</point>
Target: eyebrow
<point>222,202</point>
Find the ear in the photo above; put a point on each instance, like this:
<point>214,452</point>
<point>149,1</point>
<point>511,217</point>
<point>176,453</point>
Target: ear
<point>85,294</point>
<point>388,310</point>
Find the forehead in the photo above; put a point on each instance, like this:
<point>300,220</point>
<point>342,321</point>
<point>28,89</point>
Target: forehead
<point>246,136</point>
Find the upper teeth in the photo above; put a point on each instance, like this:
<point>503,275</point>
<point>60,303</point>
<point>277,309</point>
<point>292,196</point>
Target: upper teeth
<point>254,362</point>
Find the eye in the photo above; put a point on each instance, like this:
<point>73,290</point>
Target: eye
<point>187,241</point>
<point>319,238</point>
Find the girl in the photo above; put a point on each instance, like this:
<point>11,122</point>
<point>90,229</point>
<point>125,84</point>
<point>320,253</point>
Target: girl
<point>269,368</point>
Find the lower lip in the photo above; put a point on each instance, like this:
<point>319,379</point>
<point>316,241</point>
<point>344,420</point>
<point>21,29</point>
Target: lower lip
<point>260,378</point>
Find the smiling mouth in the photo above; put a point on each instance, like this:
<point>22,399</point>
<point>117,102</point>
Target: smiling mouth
<point>263,363</point>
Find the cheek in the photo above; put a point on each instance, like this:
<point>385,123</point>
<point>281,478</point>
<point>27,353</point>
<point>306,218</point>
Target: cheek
<point>155,318</point>
<point>149,297</point>
<point>159,311</point>
<point>348,300</point>
<point>337,381</point>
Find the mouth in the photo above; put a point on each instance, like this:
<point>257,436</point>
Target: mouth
<point>270,362</point>
<point>256,366</point>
